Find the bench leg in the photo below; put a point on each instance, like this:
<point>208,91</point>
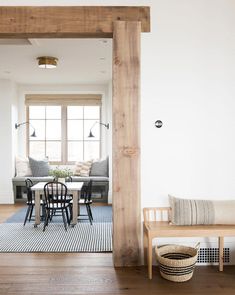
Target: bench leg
<point>145,246</point>
<point>150,256</point>
<point>221,253</point>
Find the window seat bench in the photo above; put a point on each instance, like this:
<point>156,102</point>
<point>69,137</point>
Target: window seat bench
<point>100,186</point>
<point>156,225</point>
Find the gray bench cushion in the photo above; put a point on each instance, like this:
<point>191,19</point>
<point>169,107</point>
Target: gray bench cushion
<point>34,179</point>
<point>94,178</point>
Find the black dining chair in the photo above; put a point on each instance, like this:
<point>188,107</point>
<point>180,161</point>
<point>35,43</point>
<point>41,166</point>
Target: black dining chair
<point>56,201</point>
<point>31,201</point>
<point>84,200</point>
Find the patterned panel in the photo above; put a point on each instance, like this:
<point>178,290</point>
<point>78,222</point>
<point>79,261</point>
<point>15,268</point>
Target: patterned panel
<point>211,255</point>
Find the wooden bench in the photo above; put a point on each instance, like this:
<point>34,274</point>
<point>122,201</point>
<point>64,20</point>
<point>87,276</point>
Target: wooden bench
<point>156,225</point>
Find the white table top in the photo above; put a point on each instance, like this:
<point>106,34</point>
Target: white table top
<point>72,186</point>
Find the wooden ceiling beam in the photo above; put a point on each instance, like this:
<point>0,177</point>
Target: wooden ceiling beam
<point>68,21</point>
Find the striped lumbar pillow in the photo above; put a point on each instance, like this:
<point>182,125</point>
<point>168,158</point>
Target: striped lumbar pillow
<point>194,212</point>
<point>190,212</point>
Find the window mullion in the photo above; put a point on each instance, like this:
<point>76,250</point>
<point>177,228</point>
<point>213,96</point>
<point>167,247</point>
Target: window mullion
<point>64,152</point>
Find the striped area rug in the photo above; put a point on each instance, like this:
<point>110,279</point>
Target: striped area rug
<point>14,237</point>
<point>100,213</point>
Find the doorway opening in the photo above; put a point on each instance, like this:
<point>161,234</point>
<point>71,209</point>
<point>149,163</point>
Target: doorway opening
<point>124,25</point>
<point>69,109</point>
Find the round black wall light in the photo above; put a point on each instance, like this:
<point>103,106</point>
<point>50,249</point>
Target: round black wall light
<point>158,124</point>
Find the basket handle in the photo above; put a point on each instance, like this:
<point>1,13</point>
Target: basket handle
<point>197,246</point>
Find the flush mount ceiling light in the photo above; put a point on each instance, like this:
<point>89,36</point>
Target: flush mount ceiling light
<point>47,62</point>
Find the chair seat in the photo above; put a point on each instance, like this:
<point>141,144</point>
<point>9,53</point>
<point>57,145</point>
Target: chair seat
<point>33,202</point>
<point>68,199</point>
<point>83,201</point>
<point>57,206</point>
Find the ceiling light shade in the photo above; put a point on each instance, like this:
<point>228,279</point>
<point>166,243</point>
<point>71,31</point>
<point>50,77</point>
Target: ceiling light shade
<point>47,62</point>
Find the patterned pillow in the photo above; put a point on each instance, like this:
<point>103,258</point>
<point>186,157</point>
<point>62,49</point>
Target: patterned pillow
<point>83,168</point>
<point>193,212</point>
<point>39,167</point>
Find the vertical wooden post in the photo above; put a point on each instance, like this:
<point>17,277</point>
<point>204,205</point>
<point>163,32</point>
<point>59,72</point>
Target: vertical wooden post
<point>126,143</point>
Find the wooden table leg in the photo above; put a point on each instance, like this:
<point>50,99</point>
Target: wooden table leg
<point>221,253</point>
<point>150,256</point>
<point>78,207</point>
<point>75,207</point>
<point>37,208</point>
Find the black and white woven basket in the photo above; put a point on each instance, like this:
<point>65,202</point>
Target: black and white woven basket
<point>177,262</point>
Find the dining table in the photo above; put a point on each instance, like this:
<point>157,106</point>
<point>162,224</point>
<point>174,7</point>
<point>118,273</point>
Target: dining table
<point>73,189</point>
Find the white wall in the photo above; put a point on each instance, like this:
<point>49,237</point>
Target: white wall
<point>109,138</point>
<point>187,82</point>
<point>8,116</point>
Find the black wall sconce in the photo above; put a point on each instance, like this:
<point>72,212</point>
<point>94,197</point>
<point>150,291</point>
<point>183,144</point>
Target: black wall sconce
<point>158,124</point>
<point>23,123</point>
<point>91,134</point>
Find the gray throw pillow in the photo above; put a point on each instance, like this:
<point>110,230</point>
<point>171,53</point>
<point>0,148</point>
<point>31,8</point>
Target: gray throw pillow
<point>99,168</point>
<point>39,167</point>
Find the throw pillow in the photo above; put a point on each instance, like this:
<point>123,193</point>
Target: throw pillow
<point>39,167</point>
<point>194,212</point>
<point>22,167</point>
<point>100,168</point>
<point>82,168</point>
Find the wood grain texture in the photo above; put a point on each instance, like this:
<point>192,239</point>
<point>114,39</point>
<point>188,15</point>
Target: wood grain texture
<point>221,253</point>
<point>67,21</point>
<point>67,274</point>
<point>126,143</point>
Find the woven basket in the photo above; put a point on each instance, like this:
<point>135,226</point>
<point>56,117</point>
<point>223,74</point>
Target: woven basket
<point>177,262</point>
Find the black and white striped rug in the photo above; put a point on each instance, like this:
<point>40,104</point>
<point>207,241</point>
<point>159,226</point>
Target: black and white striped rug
<point>14,237</point>
<point>100,214</point>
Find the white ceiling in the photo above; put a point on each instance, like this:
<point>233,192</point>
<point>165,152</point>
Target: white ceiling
<point>81,61</point>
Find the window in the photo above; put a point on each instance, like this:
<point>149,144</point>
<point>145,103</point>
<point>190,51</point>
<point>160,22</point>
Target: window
<point>79,122</point>
<point>47,122</point>
<point>62,132</point>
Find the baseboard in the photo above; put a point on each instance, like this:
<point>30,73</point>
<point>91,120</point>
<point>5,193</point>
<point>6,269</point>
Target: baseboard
<point>6,198</point>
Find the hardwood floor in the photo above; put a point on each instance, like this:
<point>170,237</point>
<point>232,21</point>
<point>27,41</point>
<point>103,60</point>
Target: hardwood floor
<point>8,210</point>
<point>93,273</point>
<point>67,274</point>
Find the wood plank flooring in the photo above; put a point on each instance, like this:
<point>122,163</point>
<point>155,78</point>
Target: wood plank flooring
<point>67,274</point>
<point>93,273</point>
